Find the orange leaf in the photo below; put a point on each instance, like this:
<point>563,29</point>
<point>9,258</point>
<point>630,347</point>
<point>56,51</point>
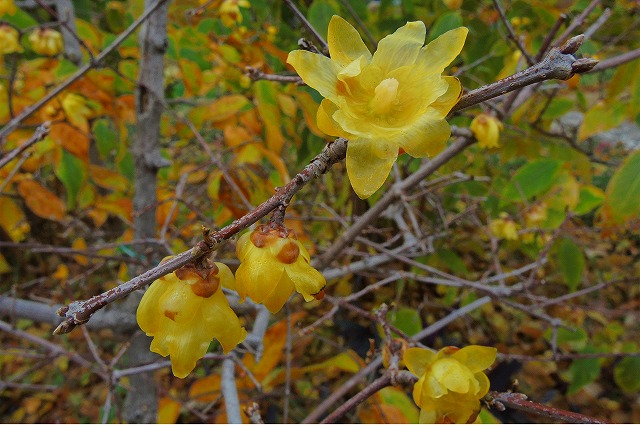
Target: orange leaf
<point>206,390</point>
<point>12,219</point>
<point>168,410</point>
<point>108,179</point>
<point>72,140</point>
<point>226,107</point>
<point>81,245</point>
<point>41,201</point>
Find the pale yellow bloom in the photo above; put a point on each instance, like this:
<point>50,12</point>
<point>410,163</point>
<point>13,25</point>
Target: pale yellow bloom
<point>46,42</point>
<point>9,40</point>
<point>395,98</point>
<point>77,111</point>
<point>504,228</point>
<point>185,310</point>
<point>274,264</point>
<point>451,382</point>
<point>7,7</point>
<point>486,128</point>
<point>230,11</point>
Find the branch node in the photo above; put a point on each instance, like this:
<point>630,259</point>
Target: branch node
<point>572,45</point>
<point>583,65</point>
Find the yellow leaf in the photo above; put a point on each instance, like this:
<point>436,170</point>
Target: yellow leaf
<point>108,179</point>
<point>61,273</point>
<point>168,410</point>
<point>81,245</point>
<point>226,107</point>
<point>348,361</point>
<point>206,390</point>
<point>41,201</point>
<point>4,265</point>
<point>12,219</point>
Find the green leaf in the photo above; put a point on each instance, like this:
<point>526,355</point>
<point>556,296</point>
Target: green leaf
<point>72,173</point>
<point>590,197</point>
<point>583,372</point>
<point>447,21</point>
<point>398,398</point>
<point>568,339</point>
<point>320,13</point>
<point>570,262</point>
<point>106,139</point>
<point>406,319</point>
<point>627,374</point>
<point>623,190</point>
<point>530,180</point>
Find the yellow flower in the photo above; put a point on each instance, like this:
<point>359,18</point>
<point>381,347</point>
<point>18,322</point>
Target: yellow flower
<point>77,111</point>
<point>395,98</point>
<point>486,128</point>
<point>504,227</point>
<point>230,11</point>
<point>46,42</point>
<point>7,7</point>
<point>273,263</point>
<point>9,40</point>
<point>451,382</point>
<point>185,310</point>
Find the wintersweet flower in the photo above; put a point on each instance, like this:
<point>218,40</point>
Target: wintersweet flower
<point>230,11</point>
<point>395,98</point>
<point>274,264</point>
<point>486,128</point>
<point>451,382</point>
<point>185,310</point>
<point>504,227</point>
<point>9,40</point>
<point>7,7</point>
<point>46,42</point>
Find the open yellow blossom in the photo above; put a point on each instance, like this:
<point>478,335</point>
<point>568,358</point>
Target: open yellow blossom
<point>9,40</point>
<point>274,264</point>
<point>7,7</point>
<point>504,227</point>
<point>451,382</point>
<point>486,128</point>
<point>185,310</point>
<point>46,42</point>
<point>395,98</point>
<point>230,11</point>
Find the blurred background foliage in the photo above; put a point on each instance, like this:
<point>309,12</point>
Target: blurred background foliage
<point>566,178</point>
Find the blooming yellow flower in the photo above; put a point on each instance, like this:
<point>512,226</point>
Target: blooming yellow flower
<point>46,42</point>
<point>504,227</point>
<point>185,310</point>
<point>9,40</point>
<point>7,7</point>
<point>451,382</point>
<point>395,98</point>
<point>230,11</point>
<point>273,263</point>
<point>486,128</point>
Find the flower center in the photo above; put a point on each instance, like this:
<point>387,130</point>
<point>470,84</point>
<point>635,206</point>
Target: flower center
<point>385,96</point>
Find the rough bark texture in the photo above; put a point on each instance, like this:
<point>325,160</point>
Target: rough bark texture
<point>141,404</point>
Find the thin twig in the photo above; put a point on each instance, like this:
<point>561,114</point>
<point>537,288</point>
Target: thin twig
<point>511,33</point>
<point>616,61</point>
<point>308,26</point>
<point>41,132</point>
<point>576,22</point>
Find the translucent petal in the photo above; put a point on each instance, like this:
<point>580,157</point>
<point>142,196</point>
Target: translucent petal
<point>416,92</point>
<point>316,70</point>
<point>476,357</point>
<point>179,303</point>
<point>400,48</point>
<point>307,280</point>
<point>325,120</point>
<point>304,253</point>
<point>449,99</point>
<point>417,391</point>
<point>148,313</point>
<point>345,43</point>
<point>483,384</point>
<point>187,344</point>
<point>418,359</point>
<point>427,416</point>
<point>369,162</point>
<point>452,374</point>
<point>437,55</point>
<point>258,275</point>
<point>280,294</point>
<point>426,137</point>
<point>244,245</point>
<point>226,276</point>
<point>222,321</point>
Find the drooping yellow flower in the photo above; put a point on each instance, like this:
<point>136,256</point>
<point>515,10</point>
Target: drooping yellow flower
<point>274,264</point>
<point>185,310</point>
<point>395,98</point>
<point>9,40</point>
<point>7,7</point>
<point>504,227</point>
<point>46,42</point>
<point>486,128</point>
<point>451,382</point>
<point>77,111</point>
<point>230,11</point>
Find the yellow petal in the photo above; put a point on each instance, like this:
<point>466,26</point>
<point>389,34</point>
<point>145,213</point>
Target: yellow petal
<point>418,359</point>
<point>244,245</point>
<point>318,71</point>
<point>307,280</point>
<point>227,280</point>
<point>483,384</point>
<point>345,43</point>
<point>437,55</point>
<point>179,303</point>
<point>369,162</point>
<point>453,375</point>
<point>427,136</point>
<point>449,99</point>
<point>476,357</point>
<point>147,315</point>
<point>400,48</point>
<point>222,322</point>
<point>303,252</point>
<point>280,294</point>
<point>325,120</point>
<point>427,416</point>
<point>258,275</point>
<point>417,391</point>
